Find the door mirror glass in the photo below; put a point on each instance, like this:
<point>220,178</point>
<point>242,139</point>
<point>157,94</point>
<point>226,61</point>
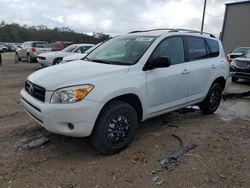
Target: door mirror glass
<point>159,62</point>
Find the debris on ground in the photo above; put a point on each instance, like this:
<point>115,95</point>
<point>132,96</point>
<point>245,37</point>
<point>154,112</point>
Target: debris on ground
<point>220,173</point>
<point>157,180</point>
<point>36,142</point>
<point>188,110</point>
<point>169,124</point>
<point>172,161</point>
<point>236,95</point>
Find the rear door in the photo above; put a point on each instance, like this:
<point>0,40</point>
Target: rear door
<point>167,87</point>
<point>203,56</point>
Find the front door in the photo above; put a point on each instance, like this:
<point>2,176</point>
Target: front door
<point>167,87</point>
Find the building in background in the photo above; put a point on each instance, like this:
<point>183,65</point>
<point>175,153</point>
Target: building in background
<point>236,26</point>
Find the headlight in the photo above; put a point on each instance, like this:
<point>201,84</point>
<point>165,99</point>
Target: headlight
<point>233,62</point>
<point>71,94</point>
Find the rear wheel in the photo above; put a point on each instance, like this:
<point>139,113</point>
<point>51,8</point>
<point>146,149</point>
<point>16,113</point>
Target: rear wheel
<point>212,101</point>
<point>115,127</point>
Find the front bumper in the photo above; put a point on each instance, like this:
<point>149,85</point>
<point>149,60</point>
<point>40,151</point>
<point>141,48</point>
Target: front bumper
<point>44,63</point>
<point>238,73</point>
<point>56,117</point>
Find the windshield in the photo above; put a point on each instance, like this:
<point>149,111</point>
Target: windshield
<point>126,50</point>
<point>247,54</point>
<point>240,50</point>
<point>70,48</point>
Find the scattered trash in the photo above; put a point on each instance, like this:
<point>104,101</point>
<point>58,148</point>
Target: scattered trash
<point>220,173</point>
<point>236,95</point>
<point>36,142</point>
<point>168,124</point>
<point>157,180</point>
<point>156,171</point>
<point>173,160</point>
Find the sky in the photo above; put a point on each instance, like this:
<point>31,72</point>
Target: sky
<point>115,16</point>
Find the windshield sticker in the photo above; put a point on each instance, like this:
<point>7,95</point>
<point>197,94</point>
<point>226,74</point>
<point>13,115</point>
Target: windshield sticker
<point>146,39</point>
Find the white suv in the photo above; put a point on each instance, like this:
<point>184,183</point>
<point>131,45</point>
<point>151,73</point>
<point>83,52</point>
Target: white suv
<point>126,80</point>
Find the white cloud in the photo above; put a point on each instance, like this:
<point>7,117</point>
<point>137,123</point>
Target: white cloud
<point>119,16</point>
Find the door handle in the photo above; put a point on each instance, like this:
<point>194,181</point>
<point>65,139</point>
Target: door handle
<point>213,66</point>
<point>185,71</point>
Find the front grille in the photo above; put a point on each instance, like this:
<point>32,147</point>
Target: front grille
<point>241,64</point>
<point>34,90</point>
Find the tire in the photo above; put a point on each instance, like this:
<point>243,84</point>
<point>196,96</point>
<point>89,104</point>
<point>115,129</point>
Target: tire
<point>234,79</point>
<point>212,101</point>
<point>57,61</point>
<point>29,58</point>
<point>115,128</point>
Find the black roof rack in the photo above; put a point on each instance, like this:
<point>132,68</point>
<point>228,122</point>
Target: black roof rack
<point>175,30</point>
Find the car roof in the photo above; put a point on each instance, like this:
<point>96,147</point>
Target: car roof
<point>83,44</point>
<point>36,41</point>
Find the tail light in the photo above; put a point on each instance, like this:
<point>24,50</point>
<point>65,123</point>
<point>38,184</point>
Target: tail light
<point>33,49</point>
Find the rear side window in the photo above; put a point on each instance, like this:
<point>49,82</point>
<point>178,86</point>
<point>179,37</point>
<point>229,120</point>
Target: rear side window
<point>196,48</point>
<point>214,49</point>
<point>84,48</point>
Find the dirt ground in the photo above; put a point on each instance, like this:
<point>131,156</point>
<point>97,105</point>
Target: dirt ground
<point>223,139</point>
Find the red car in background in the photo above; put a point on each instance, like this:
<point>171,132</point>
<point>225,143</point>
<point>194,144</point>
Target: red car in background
<point>60,45</point>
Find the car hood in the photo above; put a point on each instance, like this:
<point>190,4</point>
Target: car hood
<point>242,59</point>
<point>54,54</point>
<point>236,53</point>
<point>76,73</point>
<point>74,56</point>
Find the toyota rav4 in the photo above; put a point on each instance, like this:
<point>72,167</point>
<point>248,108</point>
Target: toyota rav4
<point>126,80</point>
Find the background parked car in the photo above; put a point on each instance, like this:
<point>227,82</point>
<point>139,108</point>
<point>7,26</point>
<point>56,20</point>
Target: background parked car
<point>11,47</point>
<point>78,56</point>
<point>60,45</point>
<point>53,58</point>
<point>29,50</point>
<point>3,48</point>
<point>237,53</point>
<point>241,67</point>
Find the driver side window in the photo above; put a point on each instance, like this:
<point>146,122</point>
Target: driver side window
<point>172,48</point>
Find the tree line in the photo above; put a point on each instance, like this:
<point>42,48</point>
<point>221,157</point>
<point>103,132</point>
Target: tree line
<point>17,33</point>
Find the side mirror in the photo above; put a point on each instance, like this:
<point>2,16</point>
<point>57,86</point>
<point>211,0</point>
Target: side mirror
<point>159,62</point>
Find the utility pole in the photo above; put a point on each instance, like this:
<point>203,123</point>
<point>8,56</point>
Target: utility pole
<point>203,17</point>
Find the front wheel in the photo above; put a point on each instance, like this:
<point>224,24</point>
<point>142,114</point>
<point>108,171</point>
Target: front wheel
<point>29,58</point>
<point>115,127</point>
<point>212,101</point>
<point>57,61</point>
<point>17,58</point>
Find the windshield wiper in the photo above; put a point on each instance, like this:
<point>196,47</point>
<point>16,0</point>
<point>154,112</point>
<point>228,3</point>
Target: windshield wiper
<point>87,59</point>
<point>107,62</point>
<point>100,61</point>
